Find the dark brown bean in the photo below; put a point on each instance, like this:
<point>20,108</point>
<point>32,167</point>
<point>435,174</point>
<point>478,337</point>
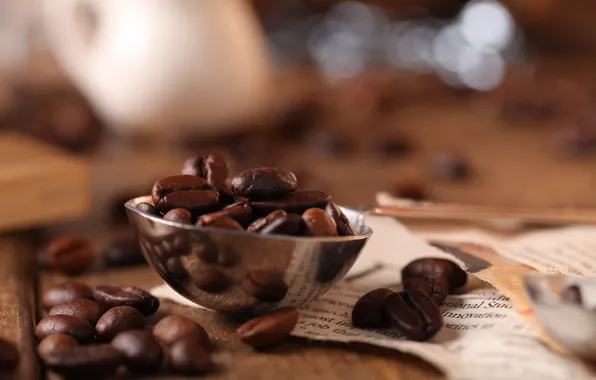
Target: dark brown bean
<point>94,361</point>
<point>414,314</point>
<point>437,288</point>
<point>343,224</point>
<point>219,221</point>
<point>117,320</point>
<point>289,224</point>
<point>175,327</point>
<point>189,356</point>
<point>123,252</point>
<point>431,267</point>
<point>212,167</point>
<point>112,296</point>
<point>76,327</point>
<point>178,215</point>
<point>210,280</point>
<point>184,191</point>
<point>66,291</point>
<point>410,189</point>
<point>572,295</point>
<point>259,224</point>
<point>297,203</point>
<point>319,223</point>
<point>143,353</point>
<point>148,209</point>
<point>369,310</point>
<point>87,310</point>
<point>450,167</point>
<point>265,285</point>
<point>69,254</point>
<point>241,212</point>
<point>264,183</point>
<point>269,330</point>
<point>55,343</point>
<point>9,355</point>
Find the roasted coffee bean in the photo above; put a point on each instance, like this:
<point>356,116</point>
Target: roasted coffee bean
<point>264,183</point>
<point>319,223</point>
<point>430,267</point>
<point>87,310</point>
<point>269,330</point>
<point>188,356</point>
<point>343,224</point>
<point>94,361</point>
<point>207,250</point>
<point>55,343</point>
<point>213,167</point>
<point>219,221</point>
<point>259,224</point>
<point>437,288</point>
<point>143,353</point>
<point>9,355</point>
<point>210,280</point>
<point>265,285</point>
<point>369,310</point>
<point>69,254</point>
<point>296,203</point>
<point>175,267</point>
<point>123,252</point>
<point>175,327</point>
<point>184,191</point>
<point>66,291</point>
<point>289,224</point>
<point>116,320</point>
<point>178,215</point>
<point>572,295</point>
<point>65,324</point>
<point>148,209</point>
<point>240,212</point>
<point>414,314</point>
<point>410,189</point>
<point>450,167</point>
<point>111,296</point>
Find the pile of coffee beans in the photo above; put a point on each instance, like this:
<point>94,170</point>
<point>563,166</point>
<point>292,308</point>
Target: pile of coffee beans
<point>414,311</point>
<point>263,200</point>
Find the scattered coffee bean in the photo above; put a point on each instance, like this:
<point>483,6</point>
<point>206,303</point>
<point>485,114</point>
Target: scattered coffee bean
<point>369,310</point>
<point>289,224</point>
<point>184,191</point>
<point>111,296</point>
<point>410,189</point>
<point>76,327</point>
<point>175,327</point>
<point>53,343</point>
<point>269,330</point>
<point>123,252</point>
<point>414,314</point>
<point>430,267</point>
<point>93,361</point>
<point>149,209</point>
<point>343,224</point>
<point>437,288</point>
<point>264,183</point>
<point>210,280</point>
<point>9,355</point>
<point>265,285</point>
<point>319,223</point>
<point>572,295</point>
<point>259,224</point>
<point>69,254</point>
<point>296,203</point>
<point>219,221</point>
<point>143,353</point>
<point>450,167</point>
<point>178,215</point>
<point>189,356</point>
<point>66,291</point>
<point>116,320</point>
<point>239,211</point>
<point>212,167</point>
<point>87,310</point>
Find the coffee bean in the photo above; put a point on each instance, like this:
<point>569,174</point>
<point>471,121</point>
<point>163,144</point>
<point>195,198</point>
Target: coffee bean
<point>66,291</point>
<point>437,288</point>
<point>178,215</point>
<point>219,221</point>
<point>450,167</point>
<point>212,167</point>
<point>94,361</point>
<point>76,327</point>
<point>296,203</point>
<point>240,212</point>
<point>87,310</point>
<point>259,224</point>
<point>319,223</point>
<point>264,183</point>
<point>430,267</point>
<point>270,329</point>
<point>572,295</point>
<point>111,296</point>
<point>414,314</point>
<point>53,343</point>
<point>149,209</point>
<point>175,267</point>
<point>343,224</point>
<point>184,191</point>
<point>289,224</point>
<point>123,252</point>
<point>265,285</point>
<point>189,356</point>
<point>369,310</point>
<point>410,189</point>
<point>210,280</point>
<point>69,254</point>
<point>175,327</point>
<point>9,355</point>
<point>143,353</point>
<point>116,320</point>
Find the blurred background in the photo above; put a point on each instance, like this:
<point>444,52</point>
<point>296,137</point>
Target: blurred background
<point>480,101</point>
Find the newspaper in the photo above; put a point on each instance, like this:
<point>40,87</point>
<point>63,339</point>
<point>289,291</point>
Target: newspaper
<point>482,336</point>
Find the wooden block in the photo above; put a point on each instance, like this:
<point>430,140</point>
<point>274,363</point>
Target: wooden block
<point>39,184</point>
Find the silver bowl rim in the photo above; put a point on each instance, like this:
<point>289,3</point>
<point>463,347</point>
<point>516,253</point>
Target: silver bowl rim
<point>130,206</point>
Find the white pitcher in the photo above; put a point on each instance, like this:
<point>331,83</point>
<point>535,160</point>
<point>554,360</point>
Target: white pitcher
<point>162,63</point>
